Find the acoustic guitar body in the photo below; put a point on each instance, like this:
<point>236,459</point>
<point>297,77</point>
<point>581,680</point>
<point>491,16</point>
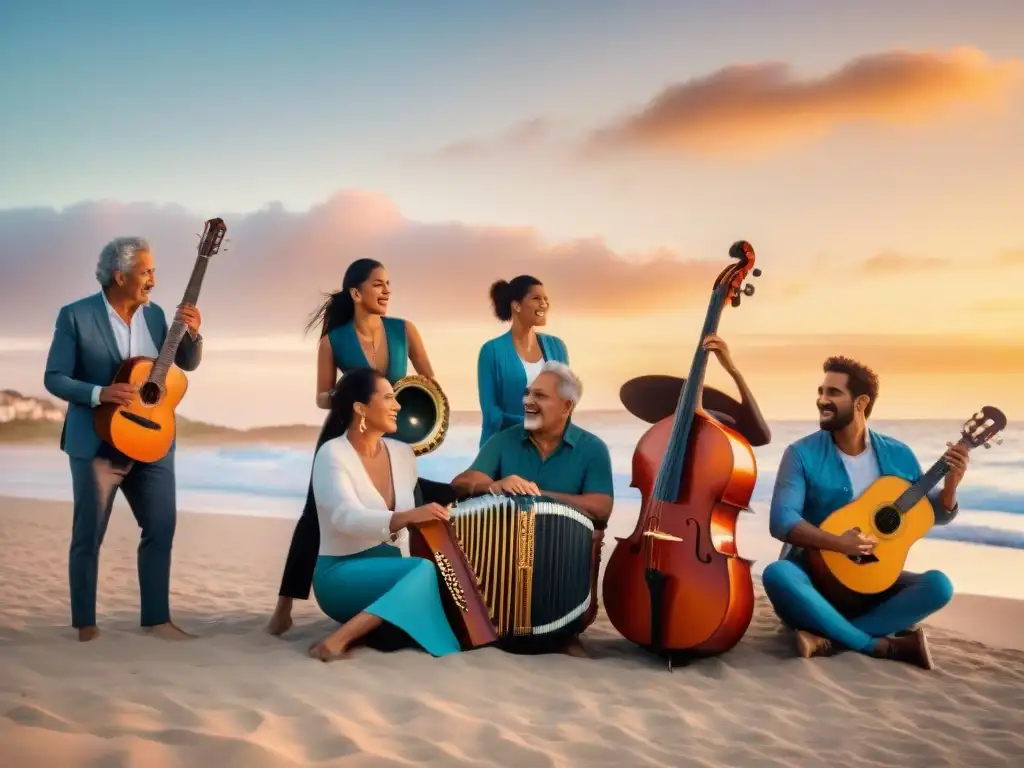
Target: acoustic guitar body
<point>872,514</point>
<point>145,429</point>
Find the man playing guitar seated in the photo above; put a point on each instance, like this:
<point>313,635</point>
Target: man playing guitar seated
<point>547,455</point>
<point>823,472</point>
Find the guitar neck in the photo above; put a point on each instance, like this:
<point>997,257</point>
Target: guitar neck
<point>177,330</point>
<point>923,486</point>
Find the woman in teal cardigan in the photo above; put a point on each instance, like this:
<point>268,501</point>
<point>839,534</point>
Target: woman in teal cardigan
<point>511,361</point>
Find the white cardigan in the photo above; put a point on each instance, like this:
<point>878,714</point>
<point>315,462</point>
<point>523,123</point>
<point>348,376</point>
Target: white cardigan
<point>353,515</point>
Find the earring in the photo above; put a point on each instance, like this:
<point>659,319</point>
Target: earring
<point>362,424</point>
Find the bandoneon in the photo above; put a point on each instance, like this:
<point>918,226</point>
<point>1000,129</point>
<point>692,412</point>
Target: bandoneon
<point>531,557</point>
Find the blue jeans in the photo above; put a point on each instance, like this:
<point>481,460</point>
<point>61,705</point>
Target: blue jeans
<point>913,597</point>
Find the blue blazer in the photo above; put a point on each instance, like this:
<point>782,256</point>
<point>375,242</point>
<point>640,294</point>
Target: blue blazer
<point>501,380</point>
<point>84,354</point>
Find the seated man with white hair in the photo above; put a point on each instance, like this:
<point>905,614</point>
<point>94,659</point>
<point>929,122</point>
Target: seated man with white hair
<point>548,455</point>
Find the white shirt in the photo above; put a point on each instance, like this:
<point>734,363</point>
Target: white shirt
<point>132,340</point>
<point>862,468</point>
<point>353,515</point>
<point>532,369</point>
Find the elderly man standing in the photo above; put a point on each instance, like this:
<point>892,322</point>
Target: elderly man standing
<point>548,455</point>
<point>91,338</point>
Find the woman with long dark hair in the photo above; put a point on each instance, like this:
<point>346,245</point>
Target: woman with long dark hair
<point>508,363</point>
<point>364,489</point>
<point>354,333</point>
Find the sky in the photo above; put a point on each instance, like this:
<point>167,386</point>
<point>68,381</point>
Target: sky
<point>870,152</point>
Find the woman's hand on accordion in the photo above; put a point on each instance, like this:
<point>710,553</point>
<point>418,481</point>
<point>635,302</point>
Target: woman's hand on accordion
<point>424,514</point>
<point>515,485</point>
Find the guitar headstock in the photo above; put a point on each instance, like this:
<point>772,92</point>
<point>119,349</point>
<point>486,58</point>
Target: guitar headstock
<point>982,427</point>
<point>731,278</point>
<point>212,237</point>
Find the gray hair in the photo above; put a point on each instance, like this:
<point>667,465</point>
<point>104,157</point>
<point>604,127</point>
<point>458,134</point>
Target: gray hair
<point>118,256</point>
<point>569,385</point>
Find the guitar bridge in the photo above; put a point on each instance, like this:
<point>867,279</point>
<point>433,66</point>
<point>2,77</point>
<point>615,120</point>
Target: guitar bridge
<point>142,421</point>
<point>863,559</point>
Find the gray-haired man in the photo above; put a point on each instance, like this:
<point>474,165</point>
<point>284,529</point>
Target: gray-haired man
<point>548,455</point>
<point>91,338</point>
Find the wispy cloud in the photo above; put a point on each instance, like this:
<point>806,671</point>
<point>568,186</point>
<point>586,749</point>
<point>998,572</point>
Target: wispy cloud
<point>888,263</point>
<point>893,354</point>
<point>525,135</point>
<point>892,263</point>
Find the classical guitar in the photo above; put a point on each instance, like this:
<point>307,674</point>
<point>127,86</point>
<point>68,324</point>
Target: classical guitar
<point>145,429</point>
<point>898,514</point>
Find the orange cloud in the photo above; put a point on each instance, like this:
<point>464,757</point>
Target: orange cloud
<point>278,263</point>
<point>748,108</point>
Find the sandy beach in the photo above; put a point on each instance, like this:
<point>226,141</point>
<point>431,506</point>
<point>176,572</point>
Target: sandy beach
<point>239,697</point>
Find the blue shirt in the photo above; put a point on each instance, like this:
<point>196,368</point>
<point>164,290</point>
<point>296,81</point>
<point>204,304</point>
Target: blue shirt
<point>812,481</point>
<point>580,464</point>
<point>501,380</point>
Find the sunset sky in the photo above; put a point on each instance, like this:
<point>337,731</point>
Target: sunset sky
<point>871,152</point>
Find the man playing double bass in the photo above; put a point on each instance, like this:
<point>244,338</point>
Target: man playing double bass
<point>548,455</point>
<point>825,471</point>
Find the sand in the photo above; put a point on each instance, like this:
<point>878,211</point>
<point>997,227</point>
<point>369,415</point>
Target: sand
<point>239,697</point>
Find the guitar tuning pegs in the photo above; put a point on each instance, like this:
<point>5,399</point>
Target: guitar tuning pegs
<point>756,272</point>
<point>988,445</point>
<point>999,441</point>
<point>736,300</point>
<point>748,289</point>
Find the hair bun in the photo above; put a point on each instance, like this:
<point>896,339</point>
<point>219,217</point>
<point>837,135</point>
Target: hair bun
<point>501,299</point>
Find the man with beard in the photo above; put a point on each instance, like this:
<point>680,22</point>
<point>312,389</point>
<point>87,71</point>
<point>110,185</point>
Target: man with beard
<point>548,455</point>
<point>91,338</point>
<point>823,472</point>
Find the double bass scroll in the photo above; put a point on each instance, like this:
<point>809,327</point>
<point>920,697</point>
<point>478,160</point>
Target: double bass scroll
<point>676,584</point>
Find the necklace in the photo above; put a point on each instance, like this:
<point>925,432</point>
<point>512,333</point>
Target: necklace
<point>372,340</point>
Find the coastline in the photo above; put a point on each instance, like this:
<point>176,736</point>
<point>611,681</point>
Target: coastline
<point>237,696</point>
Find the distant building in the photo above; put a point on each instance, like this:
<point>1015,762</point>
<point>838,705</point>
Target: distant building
<point>15,406</point>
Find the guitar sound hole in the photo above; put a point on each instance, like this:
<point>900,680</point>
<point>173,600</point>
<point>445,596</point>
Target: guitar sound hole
<point>150,393</point>
<point>887,520</point>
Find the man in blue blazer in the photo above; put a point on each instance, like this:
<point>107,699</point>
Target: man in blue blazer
<point>91,338</point>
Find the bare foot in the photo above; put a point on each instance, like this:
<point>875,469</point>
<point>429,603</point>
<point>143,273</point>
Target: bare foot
<point>330,648</point>
<point>85,634</point>
<point>281,621</point>
<point>168,631</point>
<point>575,648</point>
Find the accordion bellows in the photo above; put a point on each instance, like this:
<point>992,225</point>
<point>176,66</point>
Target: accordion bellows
<point>531,559</point>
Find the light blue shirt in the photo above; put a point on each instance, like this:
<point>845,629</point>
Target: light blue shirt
<point>812,482</point>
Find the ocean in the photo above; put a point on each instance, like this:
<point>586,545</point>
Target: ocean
<point>271,480</point>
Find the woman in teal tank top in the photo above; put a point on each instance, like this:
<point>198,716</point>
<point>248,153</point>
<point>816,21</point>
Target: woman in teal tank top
<point>355,333</point>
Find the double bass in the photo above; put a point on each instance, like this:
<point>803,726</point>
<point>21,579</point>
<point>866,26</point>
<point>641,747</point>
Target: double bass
<point>676,586</point>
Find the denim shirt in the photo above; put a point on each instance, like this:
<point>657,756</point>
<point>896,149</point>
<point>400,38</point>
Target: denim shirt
<point>812,482</point>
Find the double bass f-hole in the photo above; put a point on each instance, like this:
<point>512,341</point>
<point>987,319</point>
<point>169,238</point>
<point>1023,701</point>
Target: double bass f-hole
<point>696,542</point>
